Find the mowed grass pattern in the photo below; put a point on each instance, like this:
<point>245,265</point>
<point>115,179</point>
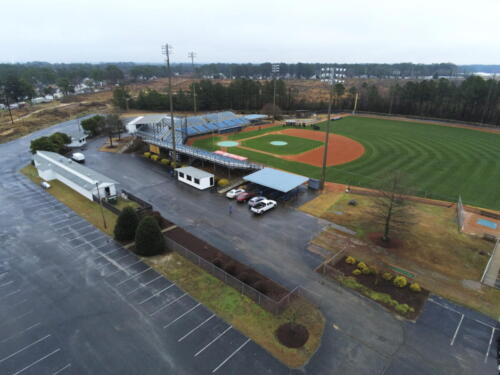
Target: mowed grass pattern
<point>294,145</point>
<point>439,162</point>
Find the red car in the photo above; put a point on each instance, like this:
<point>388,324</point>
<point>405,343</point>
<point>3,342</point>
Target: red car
<point>243,197</point>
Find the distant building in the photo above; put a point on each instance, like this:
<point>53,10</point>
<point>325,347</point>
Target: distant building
<point>78,137</point>
<point>87,182</point>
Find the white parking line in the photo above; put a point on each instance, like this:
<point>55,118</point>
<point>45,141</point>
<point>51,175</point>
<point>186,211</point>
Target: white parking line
<point>124,268</point>
<point>133,276</point>
<point>26,347</point>
<point>20,333</point>
<point>231,356</point>
<point>489,345</point>
<point>168,304</point>
<point>214,340</point>
<point>195,328</point>
<point>157,294</point>
<point>484,324</point>
<point>456,331</point>
<point>143,285</point>
<point>37,361</point>
<point>10,294</point>
<point>179,317</point>
<point>444,306</point>
<point>7,283</point>
<point>62,369</point>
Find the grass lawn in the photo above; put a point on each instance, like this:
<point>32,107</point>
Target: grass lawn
<point>445,261</point>
<point>241,312</point>
<point>294,145</point>
<point>438,162</point>
<point>87,209</point>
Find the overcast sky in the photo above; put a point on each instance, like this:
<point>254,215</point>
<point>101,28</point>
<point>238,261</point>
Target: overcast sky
<point>349,31</point>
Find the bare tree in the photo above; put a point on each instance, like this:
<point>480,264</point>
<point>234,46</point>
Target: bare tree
<point>391,210</point>
<point>113,126</point>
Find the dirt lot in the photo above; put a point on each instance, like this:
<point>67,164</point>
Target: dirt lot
<point>444,261</point>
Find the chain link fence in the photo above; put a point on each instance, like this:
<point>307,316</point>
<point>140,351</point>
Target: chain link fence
<point>266,302</point>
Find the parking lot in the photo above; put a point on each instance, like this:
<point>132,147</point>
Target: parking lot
<point>33,342</point>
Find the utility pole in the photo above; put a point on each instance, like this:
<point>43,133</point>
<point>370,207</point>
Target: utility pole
<point>100,204</point>
<point>166,51</point>
<point>330,76</point>
<point>275,69</point>
<point>192,55</point>
<point>8,105</point>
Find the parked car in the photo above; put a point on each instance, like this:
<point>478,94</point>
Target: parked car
<point>78,157</point>
<point>263,206</point>
<point>45,184</point>
<point>253,201</point>
<point>233,193</point>
<point>243,197</point>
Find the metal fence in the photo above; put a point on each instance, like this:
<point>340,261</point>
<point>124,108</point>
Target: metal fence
<point>269,304</point>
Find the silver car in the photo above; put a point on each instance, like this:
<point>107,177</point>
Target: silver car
<point>253,201</point>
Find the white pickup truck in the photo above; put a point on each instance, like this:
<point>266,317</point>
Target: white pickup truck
<point>263,206</point>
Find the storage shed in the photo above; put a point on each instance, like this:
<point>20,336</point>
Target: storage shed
<point>195,177</point>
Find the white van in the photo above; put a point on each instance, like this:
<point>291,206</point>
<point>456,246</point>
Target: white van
<point>78,157</point>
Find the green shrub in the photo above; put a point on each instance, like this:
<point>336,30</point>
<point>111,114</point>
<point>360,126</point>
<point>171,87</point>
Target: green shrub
<point>367,270</point>
<point>147,154</point>
<point>173,164</point>
<point>165,161</point>
<point>223,182</point>
<point>415,287</point>
<point>400,281</point>
<point>126,225</point>
<point>154,157</point>
<point>148,238</point>
<point>387,276</point>
<point>350,260</point>
<point>404,308</point>
<point>362,266</point>
<point>356,272</point>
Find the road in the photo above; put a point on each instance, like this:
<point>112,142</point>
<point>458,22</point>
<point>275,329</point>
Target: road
<point>360,337</point>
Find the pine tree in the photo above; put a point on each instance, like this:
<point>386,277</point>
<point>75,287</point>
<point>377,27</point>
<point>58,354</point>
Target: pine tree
<point>126,225</point>
<point>148,238</point>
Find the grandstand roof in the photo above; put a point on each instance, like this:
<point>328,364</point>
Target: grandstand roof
<point>276,179</point>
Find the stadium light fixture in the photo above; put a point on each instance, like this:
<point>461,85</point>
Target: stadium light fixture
<point>166,50</point>
<point>275,70</point>
<point>331,76</point>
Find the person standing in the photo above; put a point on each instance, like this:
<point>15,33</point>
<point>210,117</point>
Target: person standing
<point>230,209</point>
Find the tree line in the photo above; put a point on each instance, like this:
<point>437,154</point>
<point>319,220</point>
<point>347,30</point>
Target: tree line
<point>472,100</point>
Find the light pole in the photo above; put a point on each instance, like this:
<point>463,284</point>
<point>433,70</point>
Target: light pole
<point>331,76</point>
<point>192,55</point>
<point>166,51</point>
<point>275,69</point>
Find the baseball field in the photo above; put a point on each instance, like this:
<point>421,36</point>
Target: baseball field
<point>437,161</point>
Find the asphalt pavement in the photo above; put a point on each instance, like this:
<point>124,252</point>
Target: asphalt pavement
<point>74,301</point>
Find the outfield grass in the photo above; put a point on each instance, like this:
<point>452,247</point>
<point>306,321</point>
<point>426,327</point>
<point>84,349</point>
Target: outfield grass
<point>294,145</point>
<point>439,162</point>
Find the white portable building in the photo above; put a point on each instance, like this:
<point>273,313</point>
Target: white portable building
<point>87,182</point>
<point>195,177</point>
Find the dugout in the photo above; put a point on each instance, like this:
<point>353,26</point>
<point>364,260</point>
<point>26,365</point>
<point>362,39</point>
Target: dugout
<point>276,184</point>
